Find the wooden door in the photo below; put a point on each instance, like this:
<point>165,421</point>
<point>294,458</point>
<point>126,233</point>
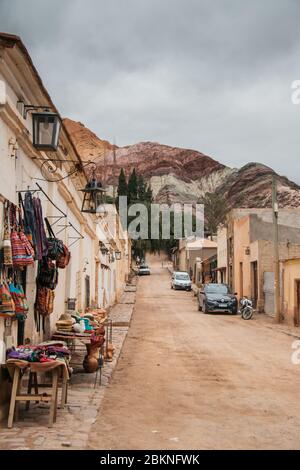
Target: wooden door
<point>241,281</point>
<point>297,306</point>
<point>254,283</point>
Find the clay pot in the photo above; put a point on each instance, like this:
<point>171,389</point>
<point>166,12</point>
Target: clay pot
<point>109,352</point>
<point>90,362</point>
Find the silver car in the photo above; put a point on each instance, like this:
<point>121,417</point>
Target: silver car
<point>181,280</point>
<point>144,270</point>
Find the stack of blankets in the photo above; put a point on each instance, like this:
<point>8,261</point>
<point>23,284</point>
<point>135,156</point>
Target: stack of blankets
<point>44,352</point>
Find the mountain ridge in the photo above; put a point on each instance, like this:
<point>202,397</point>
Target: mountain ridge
<point>179,175</point>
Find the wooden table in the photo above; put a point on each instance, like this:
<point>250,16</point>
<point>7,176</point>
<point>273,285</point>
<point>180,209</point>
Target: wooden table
<point>16,367</point>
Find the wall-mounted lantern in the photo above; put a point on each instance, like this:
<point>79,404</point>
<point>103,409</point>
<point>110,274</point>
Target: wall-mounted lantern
<point>247,251</point>
<point>118,254</point>
<point>46,129</point>
<point>93,196</point>
<point>46,126</point>
<point>103,249</point>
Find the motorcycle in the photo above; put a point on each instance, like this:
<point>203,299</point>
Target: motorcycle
<point>246,308</point>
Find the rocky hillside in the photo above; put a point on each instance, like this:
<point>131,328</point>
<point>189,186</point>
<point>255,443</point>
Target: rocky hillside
<point>182,175</point>
<point>88,145</point>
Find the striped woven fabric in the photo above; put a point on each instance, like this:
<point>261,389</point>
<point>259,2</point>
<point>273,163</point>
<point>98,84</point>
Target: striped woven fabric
<point>7,305</point>
<point>21,253</point>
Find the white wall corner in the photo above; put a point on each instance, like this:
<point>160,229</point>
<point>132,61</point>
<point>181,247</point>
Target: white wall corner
<point>2,93</point>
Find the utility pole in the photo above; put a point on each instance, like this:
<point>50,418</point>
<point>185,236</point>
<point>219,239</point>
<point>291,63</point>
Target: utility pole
<point>114,170</point>
<point>276,252</point>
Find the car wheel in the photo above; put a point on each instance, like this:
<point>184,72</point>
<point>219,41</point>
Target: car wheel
<point>171,286</point>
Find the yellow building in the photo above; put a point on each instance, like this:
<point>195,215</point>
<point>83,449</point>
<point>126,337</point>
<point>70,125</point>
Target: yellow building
<point>249,238</point>
<point>290,294</point>
<point>190,253</point>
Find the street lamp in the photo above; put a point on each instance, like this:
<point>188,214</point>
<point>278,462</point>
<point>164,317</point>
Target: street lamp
<point>46,125</point>
<point>93,196</point>
<point>118,254</point>
<point>46,128</point>
<point>103,249</point>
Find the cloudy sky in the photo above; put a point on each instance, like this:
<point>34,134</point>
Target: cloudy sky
<point>210,75</point>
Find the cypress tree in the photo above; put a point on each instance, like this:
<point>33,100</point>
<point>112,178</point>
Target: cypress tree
<point>132,187</point>
<point>122,184</point>
<point>149,194</point>
<point>141,188</point>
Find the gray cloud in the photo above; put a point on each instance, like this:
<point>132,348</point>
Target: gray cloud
<point>214,76</point>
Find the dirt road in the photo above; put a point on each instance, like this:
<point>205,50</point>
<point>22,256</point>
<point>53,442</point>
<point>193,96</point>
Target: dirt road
<point>186,380</point>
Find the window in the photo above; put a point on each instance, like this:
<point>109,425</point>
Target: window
<point>87,291</point>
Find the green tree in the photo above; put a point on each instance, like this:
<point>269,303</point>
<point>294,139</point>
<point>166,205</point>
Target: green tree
<point>122,189</point>
<point>132,187</point>
<point>122,184</point>
<point>215,211</point>
<point>141,188</point>
<point>149,194</point>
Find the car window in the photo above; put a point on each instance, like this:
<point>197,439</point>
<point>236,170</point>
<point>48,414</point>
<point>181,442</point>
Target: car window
<point>144,267</point>
<point>216,289</point>
<point>183,277</point>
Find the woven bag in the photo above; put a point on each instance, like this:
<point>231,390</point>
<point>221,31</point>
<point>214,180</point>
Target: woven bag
<point>7,251</point>
<point>22,251</point>
<point>7,305</point>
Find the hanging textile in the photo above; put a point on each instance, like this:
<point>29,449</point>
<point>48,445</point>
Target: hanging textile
<point>29,218</point>
<point>22,251</point>
<point>42,244</point>
<point>7,305</point>
<point>57,250</point>
<point>6,244</point>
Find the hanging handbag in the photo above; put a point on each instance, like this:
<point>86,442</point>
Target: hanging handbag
<point>63,259</point>
<point>44,301</point>
<point>26,226</point>
<point>47,273</point>
<point>7,251</point>
<point>17,293</point>
<point>6,244</point>
<point>55,245</point>
<point>25,302</point>
<point>22,251</point>
<point>7,305</point>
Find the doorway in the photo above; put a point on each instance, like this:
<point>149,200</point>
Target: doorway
<point>87,291</point>
<point>241,281</point>
<point>297,304</point>
<point>254,275</point>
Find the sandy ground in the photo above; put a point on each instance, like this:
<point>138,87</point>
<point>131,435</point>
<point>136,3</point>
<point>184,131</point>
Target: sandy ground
<point>186,380</point>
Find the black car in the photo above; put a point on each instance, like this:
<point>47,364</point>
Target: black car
<point>217,298</point>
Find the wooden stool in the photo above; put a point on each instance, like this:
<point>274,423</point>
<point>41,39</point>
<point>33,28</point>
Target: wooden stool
<point>16,396</point>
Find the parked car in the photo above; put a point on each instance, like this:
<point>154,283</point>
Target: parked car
<point>181,280</point>
<point>144,270</point>
<point>217,298</point>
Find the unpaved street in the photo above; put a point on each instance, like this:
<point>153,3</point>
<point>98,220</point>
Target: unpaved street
<point>191,381</point>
